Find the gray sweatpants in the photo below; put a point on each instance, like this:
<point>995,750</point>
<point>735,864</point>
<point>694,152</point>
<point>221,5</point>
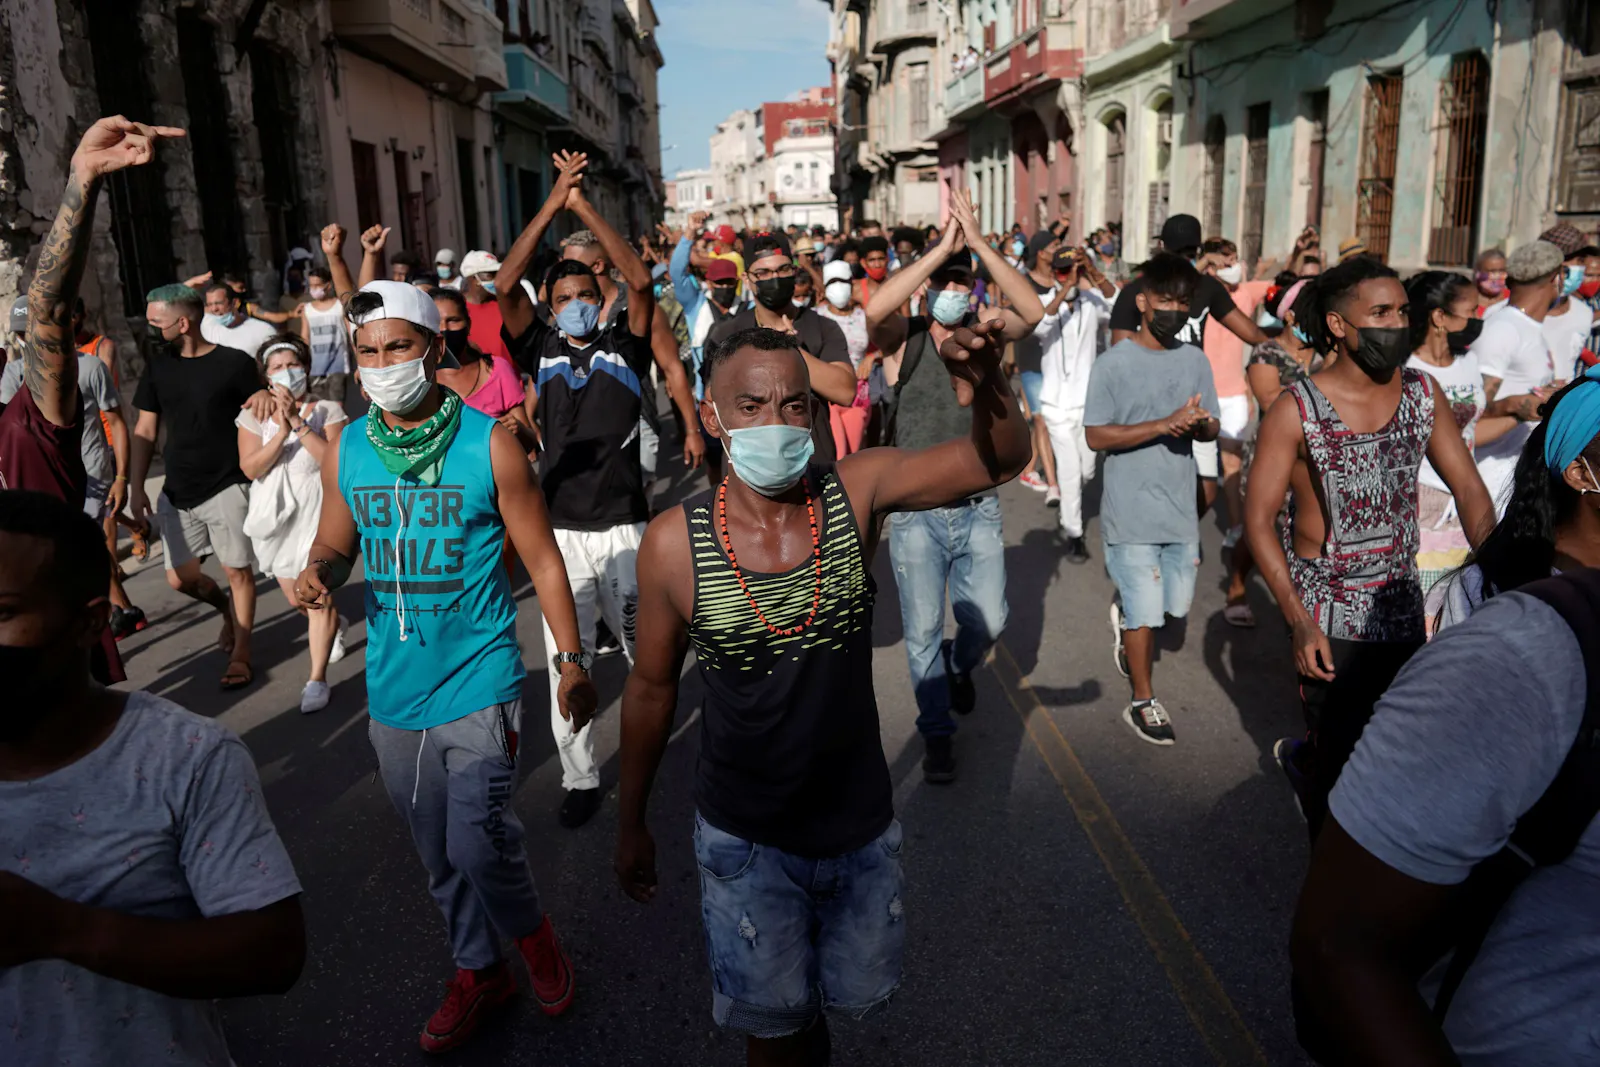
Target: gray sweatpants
<point>453,784</point>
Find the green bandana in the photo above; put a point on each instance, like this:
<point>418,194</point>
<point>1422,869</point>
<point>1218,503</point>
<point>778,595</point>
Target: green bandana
<point>420,450</point>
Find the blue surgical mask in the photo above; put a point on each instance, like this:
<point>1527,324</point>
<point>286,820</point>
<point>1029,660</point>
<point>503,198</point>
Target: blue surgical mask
<point>769,459</point>
<point>1018,247</point>
<point>488,287</point>
<point>578,318</point>
<point>950,306</point>
<point>220,320</point>
<point>445,272</point>
<point>1301,336</point>
<point>292,379</point>
<point>1572,279</point>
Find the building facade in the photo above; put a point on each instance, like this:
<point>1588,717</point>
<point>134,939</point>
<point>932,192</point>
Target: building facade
<point>738,176</point>
<point>692,190</point>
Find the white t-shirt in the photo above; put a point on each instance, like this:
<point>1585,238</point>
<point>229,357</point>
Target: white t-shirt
<point>1567,333</point>
<point>1462,383</point>
<point>247,337</point>
<point>1512,348</point>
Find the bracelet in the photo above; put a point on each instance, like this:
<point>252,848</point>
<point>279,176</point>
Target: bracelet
<point>120,478</point>
<point>323,562</point>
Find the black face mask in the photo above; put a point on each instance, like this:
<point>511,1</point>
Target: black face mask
<point>1461,340</point>
<point>1382,348</point>
<point>1165,326</point>
<point>455,342</point>
<point>724,295</point>
<point>774,294</point>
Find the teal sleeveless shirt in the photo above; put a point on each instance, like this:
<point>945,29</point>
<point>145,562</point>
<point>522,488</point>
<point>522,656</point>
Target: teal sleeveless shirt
<point>441,621</point>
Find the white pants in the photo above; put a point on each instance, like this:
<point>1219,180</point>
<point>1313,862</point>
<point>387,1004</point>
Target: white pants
<point>601,571</point>
<point>1075,462</point>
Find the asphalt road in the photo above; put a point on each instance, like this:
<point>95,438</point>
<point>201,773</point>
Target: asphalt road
<point>1077,897</point>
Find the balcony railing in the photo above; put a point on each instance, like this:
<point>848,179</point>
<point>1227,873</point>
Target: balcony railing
<point>963,95</point>
<point>531,82</point>
<point>409,34</point>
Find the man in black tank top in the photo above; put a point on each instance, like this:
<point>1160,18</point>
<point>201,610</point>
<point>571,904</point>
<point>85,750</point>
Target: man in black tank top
<point>956,548</point>
<point>767,576</point>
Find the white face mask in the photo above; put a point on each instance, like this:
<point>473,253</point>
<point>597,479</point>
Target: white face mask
<point>838,294</point>
<point>292,379</point>
<point>317,292</point>
<point>1231,275</point>
<point>396,389</point>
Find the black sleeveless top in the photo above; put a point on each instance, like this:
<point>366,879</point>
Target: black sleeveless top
<point>790,754</point>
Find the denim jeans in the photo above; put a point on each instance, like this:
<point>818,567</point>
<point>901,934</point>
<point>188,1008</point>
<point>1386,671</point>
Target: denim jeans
<point>789,936</point>
<point>958,548</point>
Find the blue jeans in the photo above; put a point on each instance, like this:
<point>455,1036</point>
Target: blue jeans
<point>788,936</point>
<point>958,548</point>
<point>1154,581</point>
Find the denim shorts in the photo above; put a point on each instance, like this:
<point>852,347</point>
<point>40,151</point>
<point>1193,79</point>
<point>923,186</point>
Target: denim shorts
<point>1032,388</point>
<point>1154,581</point>
<point>788,936</point>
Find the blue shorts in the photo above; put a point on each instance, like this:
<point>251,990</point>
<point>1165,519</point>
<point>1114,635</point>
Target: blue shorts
<point>1032,388</point>
<point>1154,581</point>
<point>789,936</point>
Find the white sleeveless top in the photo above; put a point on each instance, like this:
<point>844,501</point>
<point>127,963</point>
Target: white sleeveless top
<point>330,340</point>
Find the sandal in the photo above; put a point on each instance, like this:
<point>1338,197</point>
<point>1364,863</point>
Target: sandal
<point>238,675</point>
<point>1239,615</point>
<point>141,545</point>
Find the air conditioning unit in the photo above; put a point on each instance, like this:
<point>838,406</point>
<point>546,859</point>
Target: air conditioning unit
<point>1164,131</point>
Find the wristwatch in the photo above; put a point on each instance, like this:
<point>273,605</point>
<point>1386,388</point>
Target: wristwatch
<point>584,660</point>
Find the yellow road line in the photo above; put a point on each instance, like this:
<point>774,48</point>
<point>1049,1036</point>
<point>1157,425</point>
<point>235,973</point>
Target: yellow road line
<point>1221,1029</point>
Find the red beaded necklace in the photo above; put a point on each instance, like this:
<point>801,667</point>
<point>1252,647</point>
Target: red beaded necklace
<point>816,557</point>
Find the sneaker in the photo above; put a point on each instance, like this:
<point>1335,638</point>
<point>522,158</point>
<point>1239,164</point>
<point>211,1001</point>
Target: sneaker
<point>471,998</point>
<point>579,807</point>
<point>1118,653</point>
<point>605,642</point>
<point>549,968</point>
<point>1150,721</point>
<point>338,641</point>
<point>125,622</point>
<point>1286,753</point>
<point>1052,497</point>
<point>938,760</point>
<point>314,697</point>
<point>1032,480</point>
<point>1076,551</point>
<point>963,694</point>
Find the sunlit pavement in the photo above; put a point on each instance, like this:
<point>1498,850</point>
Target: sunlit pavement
<point>1077,897</point>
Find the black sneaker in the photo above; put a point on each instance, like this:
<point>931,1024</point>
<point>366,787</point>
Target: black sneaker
<point>963,694</point>
<point>938,760</point>
<point>605,642</point>
<point>127,622</point>
<point>579,807</point>
<point>1150,721</point>
<point>1077,551</point>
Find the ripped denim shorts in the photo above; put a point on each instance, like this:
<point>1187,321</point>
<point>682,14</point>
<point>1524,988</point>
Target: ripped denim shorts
<point>789,936</point>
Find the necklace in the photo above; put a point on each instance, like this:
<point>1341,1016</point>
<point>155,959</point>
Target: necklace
<point>816,557</point>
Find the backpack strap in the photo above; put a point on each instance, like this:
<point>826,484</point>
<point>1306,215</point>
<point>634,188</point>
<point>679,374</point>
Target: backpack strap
<point>1547,833</point>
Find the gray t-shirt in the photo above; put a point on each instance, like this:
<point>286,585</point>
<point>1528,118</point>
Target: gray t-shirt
<point>164,819</point>
<point>97,394</point>
<point>1467,738</point>
<point>927,412</point>
<point>1149,491</point>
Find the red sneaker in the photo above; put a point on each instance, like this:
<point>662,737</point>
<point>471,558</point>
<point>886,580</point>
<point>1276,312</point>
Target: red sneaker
<point>471,998</point>
<point>550,969</point>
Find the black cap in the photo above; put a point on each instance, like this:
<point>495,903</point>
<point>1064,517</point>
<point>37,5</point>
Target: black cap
<point>1036,244</point>
<point>1180,233</point>
<point>1065,259</point>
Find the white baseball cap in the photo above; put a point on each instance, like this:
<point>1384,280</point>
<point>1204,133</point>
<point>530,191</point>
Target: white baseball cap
<point>444,255</point>
<point>836,271</point>
<point>401,300</point>
<point>479,262</point>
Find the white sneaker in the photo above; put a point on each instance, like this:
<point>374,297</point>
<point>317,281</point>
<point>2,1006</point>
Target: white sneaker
<point>314,697</point>
<point>338,645</point>
<point>1118,652</point>
<point>1052,497</point>
<point>1033,481</point>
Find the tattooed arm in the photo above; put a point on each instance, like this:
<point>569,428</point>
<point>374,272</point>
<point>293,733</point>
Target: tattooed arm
<point>49,357</point>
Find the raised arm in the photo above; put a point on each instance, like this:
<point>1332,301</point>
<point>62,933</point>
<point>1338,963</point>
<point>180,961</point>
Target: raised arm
<point>684,284</point>
<point>516,312</point>
<point>49,357</point>
<point>1244,327</point>
<point>995,451</point>
<point>373,238</point>
<point>650,697</point>
<point>1025,312</point>
<point>635,275</point>
<point>333,236</point>
<point>886,324</point>
<point>1450,457</point>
